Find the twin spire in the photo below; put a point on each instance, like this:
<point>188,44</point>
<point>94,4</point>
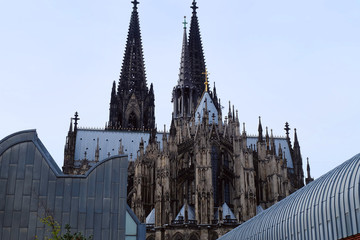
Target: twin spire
<point>133,76</point>
<point>192,67</point>
<point>197,59</point>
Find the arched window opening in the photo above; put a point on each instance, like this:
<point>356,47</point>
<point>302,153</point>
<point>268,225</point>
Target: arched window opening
<point>132,123</point>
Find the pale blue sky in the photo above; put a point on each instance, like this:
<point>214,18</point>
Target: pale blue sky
<point>295,61</point>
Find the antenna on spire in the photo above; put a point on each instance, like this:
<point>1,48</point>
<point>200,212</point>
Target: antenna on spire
<point>185,22</point>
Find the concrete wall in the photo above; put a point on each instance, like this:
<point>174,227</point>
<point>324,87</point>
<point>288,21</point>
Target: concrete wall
<point>32,186</point>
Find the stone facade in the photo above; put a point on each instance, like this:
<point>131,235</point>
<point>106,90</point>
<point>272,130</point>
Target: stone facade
<point>209,168</point>
<point>206,175</point>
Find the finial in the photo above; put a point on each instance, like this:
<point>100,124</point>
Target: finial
<point>135,2</point>
<point>194,7</point>
<point>185,22</point>
<point>76,118</point>
<point>309,178</point>
<point>287,129</point>
<point>206,73</point>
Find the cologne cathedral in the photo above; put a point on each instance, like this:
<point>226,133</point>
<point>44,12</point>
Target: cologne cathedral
<point>203,177</point>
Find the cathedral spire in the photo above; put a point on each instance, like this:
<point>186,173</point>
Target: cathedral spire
<point>185,68</point>
<point>309,179</point>
<point>296,141</point>
<point>71,125</point>
<point>113,93</point>
<point>133,105</point>
<point>272,143</point>
<point>196,52</point>
<point>260,130</point>
<point>229,113</point>
<point>267,140</point>
<point>132,76</point>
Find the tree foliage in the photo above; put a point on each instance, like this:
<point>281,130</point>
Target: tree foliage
<point>56,229</point>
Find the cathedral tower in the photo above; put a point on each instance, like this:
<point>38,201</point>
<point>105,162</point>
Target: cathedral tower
<point>132,104</point>
<point>185,93</point>
<point>196,53</point>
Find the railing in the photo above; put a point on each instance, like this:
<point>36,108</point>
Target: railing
<point>182,222</point>
<point>230,221</point>
<point>150,225</point>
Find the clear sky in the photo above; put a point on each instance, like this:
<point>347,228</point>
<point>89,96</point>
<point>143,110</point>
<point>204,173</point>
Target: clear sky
<point>295,61</point>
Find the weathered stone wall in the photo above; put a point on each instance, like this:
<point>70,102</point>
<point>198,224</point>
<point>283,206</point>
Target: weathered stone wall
<point>32,186</point>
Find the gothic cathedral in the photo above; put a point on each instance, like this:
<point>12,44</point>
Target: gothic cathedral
<point>206,175</point>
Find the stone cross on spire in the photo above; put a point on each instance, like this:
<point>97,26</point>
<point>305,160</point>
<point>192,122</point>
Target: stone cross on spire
<point>135,2</point>
<point>194,7</point>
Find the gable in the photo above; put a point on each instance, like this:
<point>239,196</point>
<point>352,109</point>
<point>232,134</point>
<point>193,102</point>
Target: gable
<point>212,110</point>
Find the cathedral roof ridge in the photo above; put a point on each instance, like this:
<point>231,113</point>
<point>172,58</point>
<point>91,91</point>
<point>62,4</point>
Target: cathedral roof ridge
<point>118,129</point>
<point>252,135</point>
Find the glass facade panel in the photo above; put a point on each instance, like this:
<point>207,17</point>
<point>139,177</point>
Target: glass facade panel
<point>130,238</point>
<point>131,227</point>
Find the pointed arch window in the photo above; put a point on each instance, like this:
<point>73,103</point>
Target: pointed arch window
<point>215,169</point>
<point>132,123</point>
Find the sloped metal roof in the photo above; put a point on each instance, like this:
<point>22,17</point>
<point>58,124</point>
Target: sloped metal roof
<point>252,141</point>
<point>191,213</point>
<point>109,143</point>
<point>327,208</point>
<point>150,219</point>
<point>226,211</point>
<point>211,109</point>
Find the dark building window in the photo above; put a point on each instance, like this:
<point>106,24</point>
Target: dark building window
<point>227,192</point>
<point>226,160</point>
<point>214,163</point>
<point>132,120</point>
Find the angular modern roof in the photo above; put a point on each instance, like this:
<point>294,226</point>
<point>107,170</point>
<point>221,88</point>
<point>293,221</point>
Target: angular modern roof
<point>327,208</point>
<point>92,201</point>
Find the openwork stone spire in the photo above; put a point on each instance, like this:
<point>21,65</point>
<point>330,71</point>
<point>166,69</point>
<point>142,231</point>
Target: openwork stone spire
<point>196,52</point>
<point>133,77</point>
<point>185,68</point>
<point>132,107</point>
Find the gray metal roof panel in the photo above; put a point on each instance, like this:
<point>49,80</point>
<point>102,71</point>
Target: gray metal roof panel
<point>325,209</point>
<point>150,219</point>
<point>211,109</point>
<point>191,213</point>
<point>109,143</point>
